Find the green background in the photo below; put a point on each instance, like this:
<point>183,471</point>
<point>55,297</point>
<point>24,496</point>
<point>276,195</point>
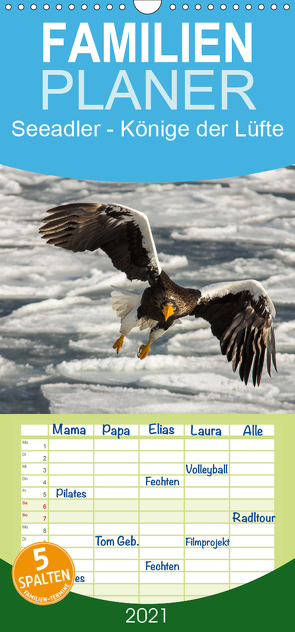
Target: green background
<point>265,604</point>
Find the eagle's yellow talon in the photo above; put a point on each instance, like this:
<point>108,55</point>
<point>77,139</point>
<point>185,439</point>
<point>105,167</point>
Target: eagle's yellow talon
<point>144,351</point>
<point>118,344</point>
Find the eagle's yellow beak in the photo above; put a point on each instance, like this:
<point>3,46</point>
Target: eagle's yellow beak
<point>168,310</point>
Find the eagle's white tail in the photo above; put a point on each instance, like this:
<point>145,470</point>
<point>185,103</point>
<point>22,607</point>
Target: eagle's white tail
<point>123,301</point>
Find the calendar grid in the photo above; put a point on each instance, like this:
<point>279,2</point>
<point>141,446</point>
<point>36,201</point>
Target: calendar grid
<point>148,518</point>
<point>229,517</point>
<point>93,520</point>
<point>48,514</point>
<point>184,556</point>
<point>139,521</point>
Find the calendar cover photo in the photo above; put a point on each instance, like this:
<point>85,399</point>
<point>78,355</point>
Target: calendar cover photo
<point>147,314</point>
<point>61,310</point>
<point>149,119</point>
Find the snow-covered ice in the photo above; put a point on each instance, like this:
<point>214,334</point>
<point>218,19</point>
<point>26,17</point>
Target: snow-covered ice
<point>57,327</point>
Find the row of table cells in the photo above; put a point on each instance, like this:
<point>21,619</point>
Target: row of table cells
<point>176,514</point>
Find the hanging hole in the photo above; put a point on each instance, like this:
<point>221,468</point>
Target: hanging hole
<point>147,6</point>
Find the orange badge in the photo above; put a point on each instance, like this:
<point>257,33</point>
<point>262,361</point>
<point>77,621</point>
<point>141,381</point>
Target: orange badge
<point>43,573</point>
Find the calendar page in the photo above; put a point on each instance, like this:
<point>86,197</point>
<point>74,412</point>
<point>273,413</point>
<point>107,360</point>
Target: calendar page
<point>147,310</point>
<point>152,509</point>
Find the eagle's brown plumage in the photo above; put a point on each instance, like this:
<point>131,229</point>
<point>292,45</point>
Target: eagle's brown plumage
<point>244,328</point>
<point>111,227</point>
<point>162,291</point>
<point>240,314</point>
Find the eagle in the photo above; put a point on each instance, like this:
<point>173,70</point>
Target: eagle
<point>240,313</point>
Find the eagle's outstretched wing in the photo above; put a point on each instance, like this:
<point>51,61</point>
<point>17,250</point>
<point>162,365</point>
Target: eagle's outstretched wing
<point>240,315</point>
<point>122,233</point>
